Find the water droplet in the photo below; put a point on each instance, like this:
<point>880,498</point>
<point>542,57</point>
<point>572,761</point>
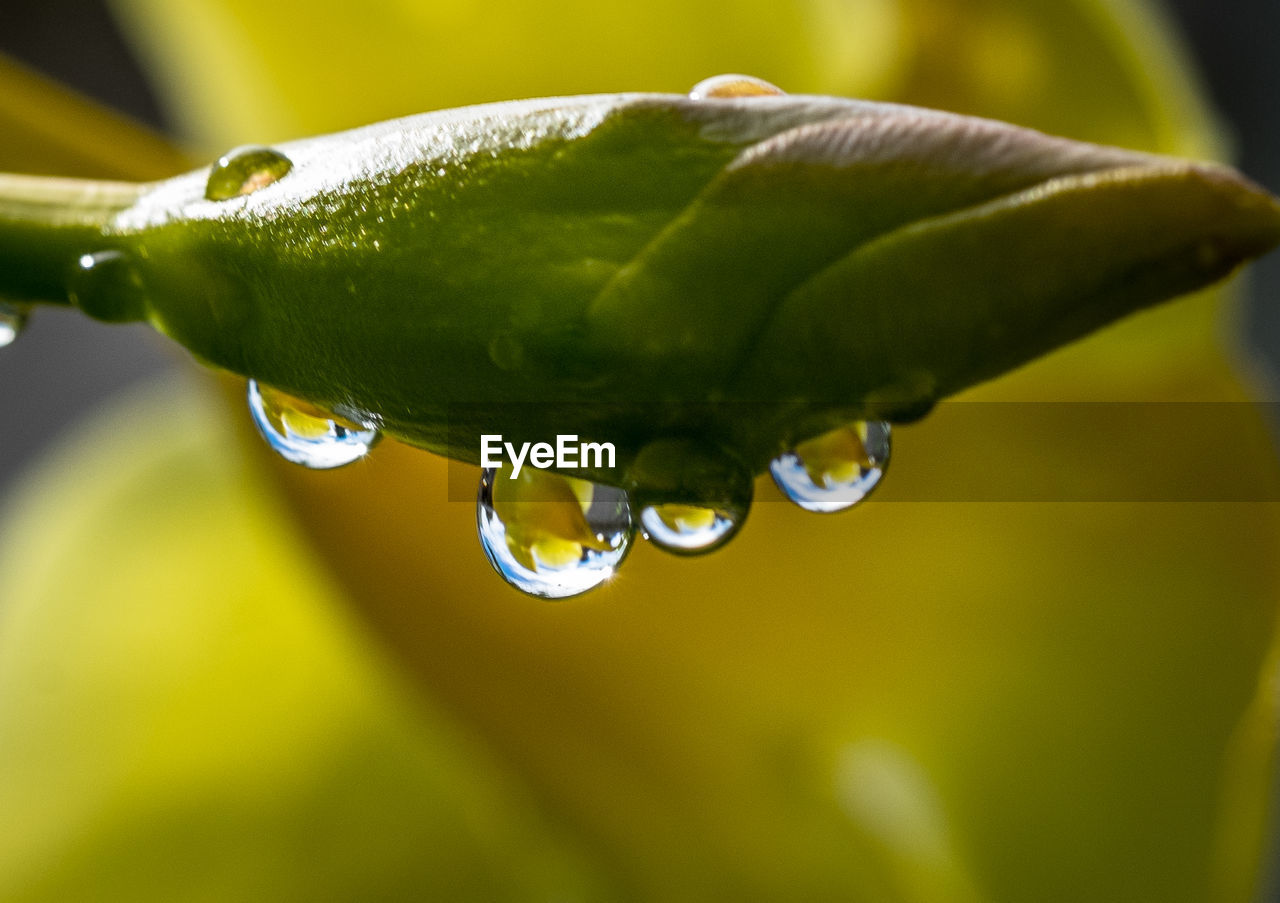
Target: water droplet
<point>106,286</point>
<point>245,170</point>
<point>689,529</point>
<point>693,496</point>
<point>836,470</point>
<point>733,86</point>
<point>13,320</point>
<point>549,535</point>
<point>305,434</point>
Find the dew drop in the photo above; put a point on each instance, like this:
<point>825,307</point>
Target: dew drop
<point>305,434</point>
<point>549,535</point>
<point>13,320</point>
<point>733,86</point>
<point>836,470</point>
<point>245,170</point>
<point>106,286</point>
<point>689,529</point>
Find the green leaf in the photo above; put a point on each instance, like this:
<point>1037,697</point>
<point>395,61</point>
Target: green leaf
<point>743,273</point>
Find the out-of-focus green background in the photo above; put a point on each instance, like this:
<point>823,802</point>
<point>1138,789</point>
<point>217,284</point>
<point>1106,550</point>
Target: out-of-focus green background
<point>927,702</point>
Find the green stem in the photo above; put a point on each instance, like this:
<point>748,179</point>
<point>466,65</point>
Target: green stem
<point>46,224</point>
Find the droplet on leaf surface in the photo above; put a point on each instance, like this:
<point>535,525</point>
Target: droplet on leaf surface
<point>733,86</point>
<point>245,170</point>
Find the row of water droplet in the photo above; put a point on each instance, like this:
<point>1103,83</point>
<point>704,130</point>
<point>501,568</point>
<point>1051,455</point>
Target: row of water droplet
<point>555,536</point>
<point>550,535</point>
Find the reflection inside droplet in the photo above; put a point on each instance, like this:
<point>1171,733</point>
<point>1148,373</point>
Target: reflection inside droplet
<point>836,470</point>
<point>733,85</point>
<point>305,434</point>
<point>245,170</point>
<point>549,535</point>
<point>690,529</point>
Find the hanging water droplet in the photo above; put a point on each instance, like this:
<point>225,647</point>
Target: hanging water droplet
<point>733,86</point>
<point>549,535</point>
<point>693,495</point>
<point>836,470</point>
<point>106,286</point>
<point>305,434</point>
<point>13,320</point>
<point>689,529</point>
<point>245,170</point>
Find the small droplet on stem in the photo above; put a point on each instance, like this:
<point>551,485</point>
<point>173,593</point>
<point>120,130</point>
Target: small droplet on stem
<point>836,470</point>
<point>106,286</point>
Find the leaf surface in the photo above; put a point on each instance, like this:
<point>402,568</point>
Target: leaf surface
<point>740,272</point>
